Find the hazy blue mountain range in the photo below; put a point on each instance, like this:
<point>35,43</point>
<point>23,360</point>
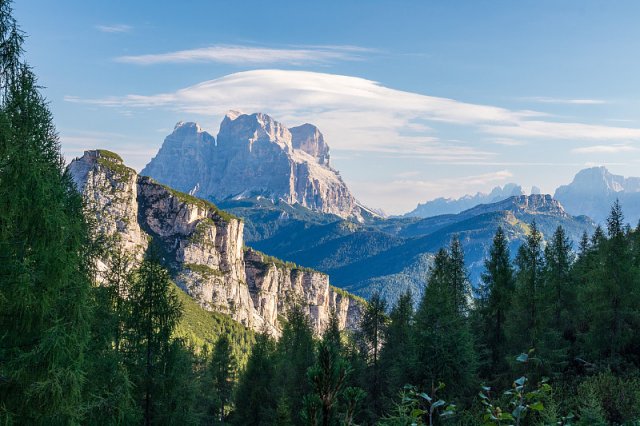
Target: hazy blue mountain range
<point>452,206</point>
<point>391,255</point>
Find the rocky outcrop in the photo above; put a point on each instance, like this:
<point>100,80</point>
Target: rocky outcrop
<point>203,248</point>
<point>254,155</point>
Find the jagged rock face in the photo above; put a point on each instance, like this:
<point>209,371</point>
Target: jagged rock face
<point>273,287</point>
<point>110,191</point>
<point>309,139</point>
<point>203,248</point>
<point>183,151</point>
<point>254,155</point>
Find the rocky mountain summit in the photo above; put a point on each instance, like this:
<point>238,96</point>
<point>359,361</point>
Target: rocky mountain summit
<point>594,190</point>
<point>202,246</point>
<point>254,156</point>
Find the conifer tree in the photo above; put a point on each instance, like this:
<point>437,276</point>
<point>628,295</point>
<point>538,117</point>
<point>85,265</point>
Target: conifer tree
<point>613,293</point>
<point>254,398</point>
<point>329,375</point>
<point>494,301</point>
<point>558,302</point>
<point>154,312</point>
<point>397,361</point>
<point>295,353</point>
<point>525,327</point>
<point>222,370</point>
<point>444,346</point>
<point>372,328</point>
<point>45,261</point>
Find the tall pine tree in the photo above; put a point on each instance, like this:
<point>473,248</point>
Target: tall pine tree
<point>154,313</point>
<point>45,261</point>
<point>444,345</point>
<point>493,303</point>
<point>525,327</point>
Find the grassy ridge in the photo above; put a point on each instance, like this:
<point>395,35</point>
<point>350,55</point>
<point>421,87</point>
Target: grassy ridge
<point>200,327</point>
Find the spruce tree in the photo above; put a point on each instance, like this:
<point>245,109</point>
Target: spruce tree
<point>613,295</point>
<point>372,328</point>
<point>494,301</point>
<point>558,302</point>
<point>45,260</point>
<point>329,375</point>
<point>254,398</point>
<point>444,345</point>
<point>295,353</point>
<point>397,356</point>
<point>525,326</point>
<point>222,370</point>
<point>154,312</point>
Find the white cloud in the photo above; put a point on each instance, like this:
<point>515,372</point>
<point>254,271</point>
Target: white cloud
<point>508,142</point>
<point>556,130</point>
<point>354,104</point>
<point>358,115</point>
<point>605,149</point>
<point>547,100</point>
<point>243,55</point>
<point>116,28</point>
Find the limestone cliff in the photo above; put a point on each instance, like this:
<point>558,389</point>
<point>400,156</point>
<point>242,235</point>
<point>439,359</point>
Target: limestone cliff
<point>203,248</point>
<point>254,155</point>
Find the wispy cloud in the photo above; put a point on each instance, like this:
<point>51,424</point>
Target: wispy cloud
<point>115,28</point>
<point>547,100</point>
<point>362,115</point>
<point>242,55</point>
<point>508,142</point>
<point>605,149</point>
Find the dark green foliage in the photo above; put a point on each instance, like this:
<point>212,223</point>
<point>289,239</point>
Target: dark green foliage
<point>255,401</point>
<point>109,388</point>
<point>493,302</point>
<point>220,379</point>
<point>615,398</point>
<point>154,313</point>
<point>612,294</point>
<point>525,322</point>
<point>372,328</point>
<point>295,355</point>
<point>45,269</point>
<point>558,303</point>
<point>444,346</point>
<point>397,361</point>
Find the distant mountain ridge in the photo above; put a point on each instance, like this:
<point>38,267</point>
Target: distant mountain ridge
<point>255,156</point>
<point>393,255</point>
<point>442,205</point>
<point>594,190</point>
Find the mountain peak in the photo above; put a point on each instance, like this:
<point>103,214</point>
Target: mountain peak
<point>255,155</point>
<point>309,139</point>
<point>188,126</point>
<point>594,190</point>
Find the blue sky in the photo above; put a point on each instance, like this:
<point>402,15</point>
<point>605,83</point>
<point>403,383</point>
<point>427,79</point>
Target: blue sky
<point>417,99</point>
